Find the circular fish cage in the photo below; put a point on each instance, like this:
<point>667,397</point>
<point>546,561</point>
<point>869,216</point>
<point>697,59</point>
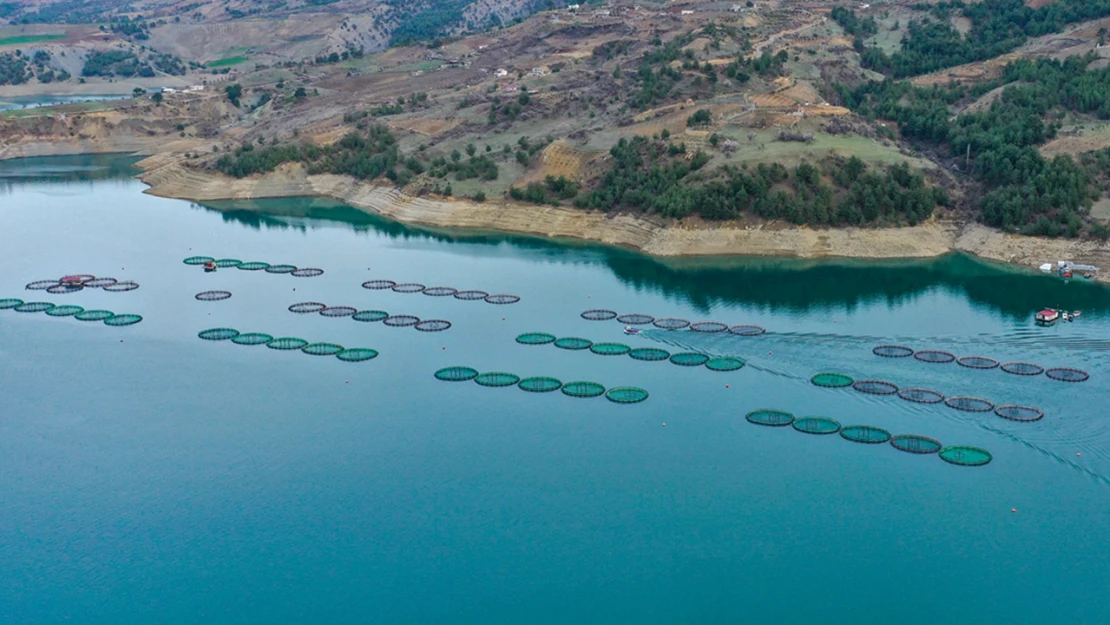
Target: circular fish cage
<point>471,296</point>
<point>497,379</point>
<point>540,384</point>
<point>1022,368</point>
<point>370,315</point>
<point>914,444</point>
<point>831,380</point>
<point>921,395</point>
<point>440,291</point>
<point>768,417</point>
<point>408,287</point>
<point>94,315</point>
<point>966,456</point>
<point>198,260</point>
<point>689,359</point>
<point>934,356</point>
<point>649,354</point>
<point>969,404</point>
<point>892,351</point>
<point>456,374</point>
<point>626,395</point>
<point>123,320</point>
<point>671,323</point>
<point>64,311</point>
<point>9,302</point>
<point>433,325</point>
<point>322,349</point>
<point>41,285</point>
<point>401,321</point>
<point>583,389</point>
<point>225,263</point>
<point>307,272</point>
<point>357,354</point>
<point>65,288</point>
<point>99,283</point>
<point>708,327</point>
<point>1013,412</point>
<point>724,363</point>
<point>281,269</point>
<point>254,266</point>
<point>535,338</point>
<point>252,338</point>
<point>212,296</point>
<point>287,343</point>
<point>864,434</point>
<point>502,298</point>
<point>307,307</point>
<point>598,314</point>
<point>121,287</point>
<point>977,362</point>
<point>610,349</point>
<point>573,343</point>
<point>817,425</point>
<point>338,311</point>
<point>218,334</point>
<point>378,285</point>
<point>636,319</point>
<point>875,387</point>
<point>33,307</point>
<point>1067,374</point>
<point>747,330</point>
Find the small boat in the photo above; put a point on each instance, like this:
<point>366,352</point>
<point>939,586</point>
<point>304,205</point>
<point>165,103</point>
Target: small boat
<point>1076,314</point>
<point>1047,315</point>
<point>631,330</point>
<point>209,267</point>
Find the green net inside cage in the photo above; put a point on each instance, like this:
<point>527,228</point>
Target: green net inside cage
<point>370,315</point>
<point>610,349</point>
<point>650,354</point>
<point>540,384</point>
<point>816,425</point>
<point>773,418</point>
<point>915,444</point>
<point>831,380</point>
<point>583,389</point>
<point>225,263</point>
<point>252,338</point>
<point>123,320</point>
<point>456,374</point>
<point>281,269</point>
<point>864,434</point>
<point>322,349</point>
<point>966,456</point>
<point>9,302</point>
<point>218,334</point>
<point>287,343</point>
<point>357,354</point>
<point>571,342</point>
<point>626,395</point>
<point>94,315</point>
<point>34,307</point>
<point>535,338</point>
<point>67,310</point>
<point>689,359</point>
<point>253,266</point>
<point>497,378</point>
<point>198,260</point>
<point>724,363</point>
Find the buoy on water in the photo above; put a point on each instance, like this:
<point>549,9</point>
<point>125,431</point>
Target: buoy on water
<point>1013,509</point>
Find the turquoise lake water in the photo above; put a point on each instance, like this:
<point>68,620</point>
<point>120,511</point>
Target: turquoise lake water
<point>148,476</point>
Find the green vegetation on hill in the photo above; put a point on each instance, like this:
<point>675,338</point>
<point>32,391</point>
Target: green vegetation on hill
<point>365,155</point>
<point>13,69</point>
<point>26,39</point>
<point>226,62</point>
<point>127,64</point>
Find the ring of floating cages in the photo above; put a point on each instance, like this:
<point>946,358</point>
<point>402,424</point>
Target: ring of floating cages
<point>401,321</point>
<point>281,269</point>
<point>831,380</point>
<point>456,374</point>
<point>378,285</point>
<point>497,379</point>
<point>934,356</point>
<point>724,363</point>
<point>540,384</point>
<point>535,338</point>
<point>977,362</point>
<point>94,315</point>
<point>671,323</point>
<point>408,287</point>
<point>573,343</point>
<point>370,315</point>
<point>583,389</point>
<point>817,425</point>
<point>252,338</point>
<point>440,291</point>
<point>969,404</point>
<point>212,296</point>
<point>228,263</point>
<point>9,302</point>
<point>610,349</point>
<point>769,417</point>
<point>307,272</point>
<point>65,288</point>
<point>307,307</point>
<point>471,296</point>
<point>689,359</point>
<point>322,349</point>
<point>33,307</point>
<point>599,314</point>
<point>64,311</point>
<point>432,325</point>
<point>892,351</point>
<point>254,265</point>
<point>123,320</point>
<point>1022,368</point>
<point>915,444</point>
<point>636,319</point>
<point>338,311</point>
<point>921,395</point>
<point>287,343</point>
<point>710,327</point>
<point>626,395</point>
<point>649,354</point>
<point>357,354</point>
<point>865,434</point>
<point>875,387</point>
<point>99,283</point>
<point>41,285</point>
<point>198,260</point>
<point>122,286</point>
<point>1067,374</point>
<point>1014,412</point>
<point>747,330</point>
<point>502,298</point>
<point>965,456</point>
<point>77,278</point>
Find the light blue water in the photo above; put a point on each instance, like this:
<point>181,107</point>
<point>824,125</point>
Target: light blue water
<point>34,101</point>
<point>149,476</point>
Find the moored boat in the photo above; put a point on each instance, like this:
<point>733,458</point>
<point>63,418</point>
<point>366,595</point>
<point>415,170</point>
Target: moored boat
<point>1047,315</point>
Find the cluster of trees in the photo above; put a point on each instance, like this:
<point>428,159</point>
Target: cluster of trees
<point>134,30</point>
<point>852,24</point>
<point>550,191</point>
<point>475,165</point>
<point>508,111</point>
<point>13,68</point>
<point>419,21</point>
<point>115,63</point>
<point>366,155</point>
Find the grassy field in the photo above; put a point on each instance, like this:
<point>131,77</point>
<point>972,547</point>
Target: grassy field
<point>25,39</point>
<point>226,62</point>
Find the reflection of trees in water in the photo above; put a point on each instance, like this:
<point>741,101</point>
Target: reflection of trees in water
<point>63,169</point>
<point>778,284</point>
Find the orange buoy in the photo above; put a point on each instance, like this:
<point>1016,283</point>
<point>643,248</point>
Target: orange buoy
<point>1013,509</point>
